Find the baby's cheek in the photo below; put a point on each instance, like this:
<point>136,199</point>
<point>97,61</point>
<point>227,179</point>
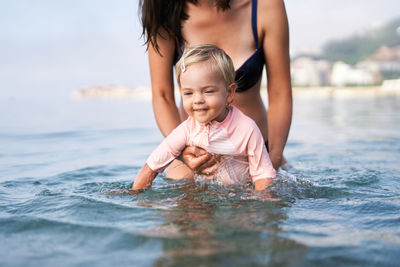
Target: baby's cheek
<point>187,106</point>
<point>218,102</point>
<point>188,111</point>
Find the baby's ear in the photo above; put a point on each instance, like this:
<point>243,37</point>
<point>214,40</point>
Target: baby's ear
<point>232,87</point>
<point>231,92</point>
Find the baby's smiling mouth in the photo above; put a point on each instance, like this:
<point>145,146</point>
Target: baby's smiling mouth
<point>200,109</point>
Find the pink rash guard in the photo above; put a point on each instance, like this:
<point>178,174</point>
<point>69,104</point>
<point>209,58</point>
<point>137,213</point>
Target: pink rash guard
<point>237,139</point>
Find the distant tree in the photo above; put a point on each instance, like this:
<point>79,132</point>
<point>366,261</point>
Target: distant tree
<point>356,48</point>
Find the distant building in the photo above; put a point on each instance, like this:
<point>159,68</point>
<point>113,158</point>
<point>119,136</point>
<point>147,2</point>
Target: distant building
<point>306,71</point>
<point>391,85</point>
<point>386,61</point>
<point>113,91</point>
<point>344,74</point>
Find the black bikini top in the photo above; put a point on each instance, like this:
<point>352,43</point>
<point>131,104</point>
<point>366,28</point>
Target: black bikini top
<point>250,72</point>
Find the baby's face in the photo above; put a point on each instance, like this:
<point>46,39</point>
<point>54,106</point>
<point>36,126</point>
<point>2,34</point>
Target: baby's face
<point>204,92</point>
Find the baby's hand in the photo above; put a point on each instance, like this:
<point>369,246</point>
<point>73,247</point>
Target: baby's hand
<point>261,189</point>
<point>144,178</point>
<point>263,183</point>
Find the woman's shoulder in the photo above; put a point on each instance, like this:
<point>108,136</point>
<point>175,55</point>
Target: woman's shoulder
<point>270,12</point>
<point>272,20</point>
<point>270,5</point>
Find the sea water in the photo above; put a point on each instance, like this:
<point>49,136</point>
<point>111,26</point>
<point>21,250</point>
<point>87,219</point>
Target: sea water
<point>339,203</point>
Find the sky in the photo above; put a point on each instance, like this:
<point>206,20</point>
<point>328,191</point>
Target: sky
<point>314,22</point>
<point>50,47</point>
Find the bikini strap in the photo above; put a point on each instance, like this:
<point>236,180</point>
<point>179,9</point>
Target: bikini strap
<point>254,20</point>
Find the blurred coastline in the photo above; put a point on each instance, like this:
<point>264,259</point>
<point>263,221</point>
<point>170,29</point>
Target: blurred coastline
<point>144,93</point>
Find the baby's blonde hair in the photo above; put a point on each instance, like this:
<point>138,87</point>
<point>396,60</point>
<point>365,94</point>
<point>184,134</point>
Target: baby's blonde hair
<point>204,52</point>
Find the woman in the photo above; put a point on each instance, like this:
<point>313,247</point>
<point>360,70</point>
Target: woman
<point>252,33</point>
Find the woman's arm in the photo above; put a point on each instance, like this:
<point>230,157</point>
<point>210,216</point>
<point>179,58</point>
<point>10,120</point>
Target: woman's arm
<point>161,72</point>
<point>276,49</point>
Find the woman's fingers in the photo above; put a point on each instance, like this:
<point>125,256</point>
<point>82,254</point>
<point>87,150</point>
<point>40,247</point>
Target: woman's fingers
<point>194,157</point>
<point>194,162</point>
<point>200,161</point>
<point>194,150</point>
<point>210,167</point>
<point>210,171</point>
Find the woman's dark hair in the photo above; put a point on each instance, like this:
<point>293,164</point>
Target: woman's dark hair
<point>166,14</point>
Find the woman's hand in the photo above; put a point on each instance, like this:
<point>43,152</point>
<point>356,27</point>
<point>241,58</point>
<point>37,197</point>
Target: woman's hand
<point>276,159</point>
<point>200,161</point>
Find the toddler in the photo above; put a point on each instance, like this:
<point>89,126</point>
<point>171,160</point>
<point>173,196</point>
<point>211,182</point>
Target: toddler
<point>206,79</point>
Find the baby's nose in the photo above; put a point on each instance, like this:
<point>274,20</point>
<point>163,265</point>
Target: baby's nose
<point>198,98</point>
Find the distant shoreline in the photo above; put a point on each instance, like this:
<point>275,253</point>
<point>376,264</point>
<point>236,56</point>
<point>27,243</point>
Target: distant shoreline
<point>353,91</point>
<point>144,93</point>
